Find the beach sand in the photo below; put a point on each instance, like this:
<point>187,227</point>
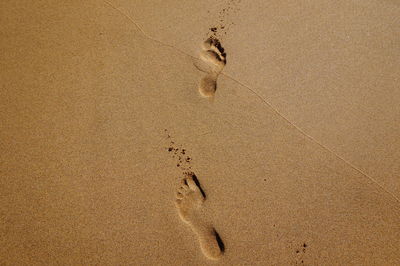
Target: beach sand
<point>127,140</point>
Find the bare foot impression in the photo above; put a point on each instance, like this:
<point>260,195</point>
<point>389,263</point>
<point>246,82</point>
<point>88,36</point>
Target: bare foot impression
<point>189,202</point>
<point>214,56</point>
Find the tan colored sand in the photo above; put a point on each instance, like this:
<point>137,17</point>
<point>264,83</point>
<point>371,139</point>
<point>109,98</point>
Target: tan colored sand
<point>96,116</point>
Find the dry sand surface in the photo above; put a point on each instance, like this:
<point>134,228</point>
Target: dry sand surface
<point>128,136</point>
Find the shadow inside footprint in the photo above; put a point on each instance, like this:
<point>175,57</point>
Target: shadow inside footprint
<point>196,180</point>
<point>219,241</point>
<point>220,48</point>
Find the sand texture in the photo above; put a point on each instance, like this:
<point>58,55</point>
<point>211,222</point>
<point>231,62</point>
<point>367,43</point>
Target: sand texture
<point>200,132</point>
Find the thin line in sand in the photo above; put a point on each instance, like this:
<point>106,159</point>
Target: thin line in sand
<point>261,98</point>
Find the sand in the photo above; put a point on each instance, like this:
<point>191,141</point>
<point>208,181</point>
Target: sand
<point>127,138</point>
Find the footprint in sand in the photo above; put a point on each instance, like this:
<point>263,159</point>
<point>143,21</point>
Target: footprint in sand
<point>214,56</point>
<point>189,202</point>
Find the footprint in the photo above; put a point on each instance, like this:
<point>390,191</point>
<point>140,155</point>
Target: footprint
<point>189,202</point>
<point>215,57</point>
<point>208,85</point>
